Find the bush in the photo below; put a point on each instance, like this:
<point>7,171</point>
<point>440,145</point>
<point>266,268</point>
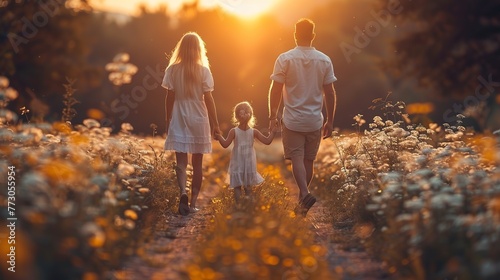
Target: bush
<point>429,196</point>
<point>82,196</point>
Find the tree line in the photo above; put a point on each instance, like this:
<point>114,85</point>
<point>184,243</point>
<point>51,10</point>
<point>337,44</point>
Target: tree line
<point>376,47</point>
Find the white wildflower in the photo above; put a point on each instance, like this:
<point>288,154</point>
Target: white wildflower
<point>421,129</point>
<point>489,269</point>
<point>109,199</point>
<point>359,119</point>
<point>438,201</point>
<point>124,170</point>
<point>415,204</point>
<point>404,218</point>
<point>4,82</point>
<point>91,123</point>
<point>378,121</point>
<point>398,133</point>
<point>7,116</point>
<point>372,207</point>
<point>6,135</point>
<point>127,127</point>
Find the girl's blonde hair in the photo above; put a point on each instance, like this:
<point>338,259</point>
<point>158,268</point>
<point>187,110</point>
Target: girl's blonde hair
<point>242,111</point>
<point>189,53</point>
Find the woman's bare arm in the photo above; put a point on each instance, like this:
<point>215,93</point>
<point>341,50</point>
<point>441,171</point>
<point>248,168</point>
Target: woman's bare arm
<point>212,112</point>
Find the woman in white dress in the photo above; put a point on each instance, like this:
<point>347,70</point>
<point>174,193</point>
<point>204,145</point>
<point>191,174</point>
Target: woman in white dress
<point>243,164</point>
<point>190,109</point>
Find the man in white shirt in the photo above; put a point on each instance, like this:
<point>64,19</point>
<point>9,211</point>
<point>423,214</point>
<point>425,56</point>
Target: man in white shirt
<point>303,78</point>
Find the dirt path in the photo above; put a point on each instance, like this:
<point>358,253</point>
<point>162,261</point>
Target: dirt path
<point>171,246</point>
<point>345,255</point>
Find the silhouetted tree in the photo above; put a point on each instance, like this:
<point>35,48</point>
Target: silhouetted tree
<point>447,45</point>
<point>41,43</point>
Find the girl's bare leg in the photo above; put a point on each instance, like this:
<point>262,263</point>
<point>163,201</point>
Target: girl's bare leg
<point>249,192</point>
<point>237,194</point>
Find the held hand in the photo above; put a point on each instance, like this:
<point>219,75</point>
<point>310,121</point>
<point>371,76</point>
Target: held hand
<point>274,129</point>
<point>217,133</point>
<point>273,125</point>
<point>218,137</point>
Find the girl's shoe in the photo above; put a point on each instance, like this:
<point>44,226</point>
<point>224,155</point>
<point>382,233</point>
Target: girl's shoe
<point>183,205</point>
<point>193,209</point>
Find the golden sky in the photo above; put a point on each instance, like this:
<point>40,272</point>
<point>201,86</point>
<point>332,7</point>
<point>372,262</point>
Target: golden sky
<point>242,7</point>
<point>283,9</point>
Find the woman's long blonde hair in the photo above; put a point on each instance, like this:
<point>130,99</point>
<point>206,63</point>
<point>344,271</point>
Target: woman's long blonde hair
<point>189,53</point>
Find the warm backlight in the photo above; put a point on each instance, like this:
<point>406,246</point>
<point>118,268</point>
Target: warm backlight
<point>247,8</point>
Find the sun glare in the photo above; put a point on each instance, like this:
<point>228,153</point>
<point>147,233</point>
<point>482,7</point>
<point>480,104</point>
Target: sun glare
<point>247,8</point>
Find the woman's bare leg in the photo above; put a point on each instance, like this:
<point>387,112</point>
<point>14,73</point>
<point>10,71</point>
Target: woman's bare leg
<point>197,160</point>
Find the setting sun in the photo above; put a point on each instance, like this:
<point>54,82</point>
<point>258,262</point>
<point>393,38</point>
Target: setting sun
<point>247,8</point>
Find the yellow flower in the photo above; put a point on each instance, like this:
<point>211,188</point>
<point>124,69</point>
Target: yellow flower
<point>130,214</point>
<point>60,171</point>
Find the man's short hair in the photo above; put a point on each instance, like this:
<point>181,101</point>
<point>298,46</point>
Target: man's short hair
<point>304,29</point>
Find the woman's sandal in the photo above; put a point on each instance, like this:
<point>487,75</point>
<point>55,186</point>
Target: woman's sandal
<point>183,205</point>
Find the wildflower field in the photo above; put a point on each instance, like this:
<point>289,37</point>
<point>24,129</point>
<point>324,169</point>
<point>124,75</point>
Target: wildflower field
<point>422,201</point>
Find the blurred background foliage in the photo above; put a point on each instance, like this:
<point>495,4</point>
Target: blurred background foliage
<point>429,53</point>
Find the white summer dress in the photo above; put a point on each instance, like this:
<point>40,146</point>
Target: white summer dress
<point>189,130</point>
<point>243,164</point>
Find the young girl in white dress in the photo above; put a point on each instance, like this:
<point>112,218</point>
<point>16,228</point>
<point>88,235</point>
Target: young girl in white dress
<point>243,163</point>
<point>190,108</point>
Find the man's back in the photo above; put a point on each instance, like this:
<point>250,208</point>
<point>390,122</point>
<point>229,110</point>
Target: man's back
<point>303,71</point>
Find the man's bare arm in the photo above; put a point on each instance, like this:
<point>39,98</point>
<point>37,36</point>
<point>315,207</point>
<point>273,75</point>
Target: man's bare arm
<point>275,94</point>
<point>274,100</point>
<point>331,106</point>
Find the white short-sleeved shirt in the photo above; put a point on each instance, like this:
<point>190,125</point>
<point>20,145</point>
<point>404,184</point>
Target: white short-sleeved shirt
<point>189,130</point>
<point>304,71</point>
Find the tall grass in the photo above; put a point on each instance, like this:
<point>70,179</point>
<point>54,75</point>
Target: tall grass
<point>258,238</point>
